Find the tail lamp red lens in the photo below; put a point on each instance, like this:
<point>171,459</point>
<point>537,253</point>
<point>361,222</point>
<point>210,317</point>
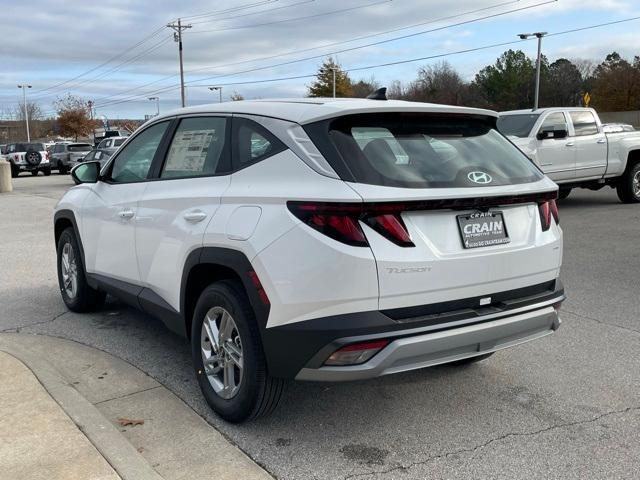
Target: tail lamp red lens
<point>548,210</point>
<point>341,221</point>
<point>356,353</point>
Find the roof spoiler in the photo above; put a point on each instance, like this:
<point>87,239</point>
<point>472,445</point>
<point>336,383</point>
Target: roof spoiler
<point>380,94</point>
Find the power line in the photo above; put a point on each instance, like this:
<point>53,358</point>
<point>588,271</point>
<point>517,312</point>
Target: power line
<point>413,60</point>
<point>229,10</point>
<point>332,44</point>
<point>307,17</point>
<point>148,37</point>
<point>117,67</point>
<point>269,10</point>
<point>38,94</point>
<point>251,70</point>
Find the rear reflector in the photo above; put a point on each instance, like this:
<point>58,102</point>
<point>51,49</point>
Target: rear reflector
<point>253,276</point>
<point>356,353</point>
<point>548,210</point>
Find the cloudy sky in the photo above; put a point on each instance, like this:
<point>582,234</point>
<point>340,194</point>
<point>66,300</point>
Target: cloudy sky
<point>119,52</point>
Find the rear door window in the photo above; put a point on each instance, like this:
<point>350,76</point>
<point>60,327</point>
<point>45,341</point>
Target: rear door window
<point>584,123</point>
<point>424,151</point>
<point>199,148</point>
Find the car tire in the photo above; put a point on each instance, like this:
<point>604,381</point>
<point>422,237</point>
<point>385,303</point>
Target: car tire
<point>47,171</point>
<point>629,187</point>
<point>235,383</point>
<point>15,171</point>
<point>564,193</point>
<point>470,361</point>
<point>77,295</point>
<point>62,170</point>
<point>34,173</point>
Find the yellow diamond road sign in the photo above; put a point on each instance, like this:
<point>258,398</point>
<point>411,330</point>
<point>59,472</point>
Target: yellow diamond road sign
<point>586,98</point>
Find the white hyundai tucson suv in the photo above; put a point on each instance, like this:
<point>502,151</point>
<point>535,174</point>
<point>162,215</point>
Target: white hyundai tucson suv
<point>317,239</point>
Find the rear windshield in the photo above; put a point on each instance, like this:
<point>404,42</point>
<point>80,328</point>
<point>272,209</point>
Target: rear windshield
<point>517,125</point>
<point>25,147</point>
<point>79,147</point>
<point>423,151</point>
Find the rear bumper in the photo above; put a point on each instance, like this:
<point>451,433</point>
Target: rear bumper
<point>419,336</point>
<point>445,346</point>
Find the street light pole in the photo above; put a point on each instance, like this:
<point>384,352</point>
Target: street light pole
<point>26,111</point>
<point>157,99</point>
<point>219,92</point>
<point>539,36</point>
<point>333,70</point>
<point>177,36</point>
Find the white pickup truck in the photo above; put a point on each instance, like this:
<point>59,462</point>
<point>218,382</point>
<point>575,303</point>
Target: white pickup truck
<point>572,148</point>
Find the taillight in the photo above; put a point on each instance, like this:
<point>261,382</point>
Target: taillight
<point>356,353</point>
<point>548,210</point>
<point>341,221</point>
<point>391,226</point>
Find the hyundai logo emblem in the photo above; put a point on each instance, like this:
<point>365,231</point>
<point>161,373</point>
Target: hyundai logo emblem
<point>480,177</point>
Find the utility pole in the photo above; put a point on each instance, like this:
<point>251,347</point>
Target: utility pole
<point>539,36</point>
<point>26,111</point>
<point>157,99</point>
<point>177,36</point>
<point>219,91</point>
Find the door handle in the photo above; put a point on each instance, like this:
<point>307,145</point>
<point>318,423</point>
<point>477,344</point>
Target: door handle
<point>601,141</point>
<point>569,144</point>
<point>195,216</point>
<point>126,214</point>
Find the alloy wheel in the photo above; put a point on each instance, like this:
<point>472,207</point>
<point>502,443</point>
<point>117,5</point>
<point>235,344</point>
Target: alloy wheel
<point>221,349</point>
<point>69,267</point>
<point>636,184</point>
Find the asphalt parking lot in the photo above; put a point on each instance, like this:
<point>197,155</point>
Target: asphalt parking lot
<point>567,406</point>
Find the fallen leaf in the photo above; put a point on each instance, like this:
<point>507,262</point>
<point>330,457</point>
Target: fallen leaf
<point>127,421</point>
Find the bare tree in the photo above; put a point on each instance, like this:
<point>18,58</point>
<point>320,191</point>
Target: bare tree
<point>362,87</point>
<point>236,97</point>
<point>74,117</point>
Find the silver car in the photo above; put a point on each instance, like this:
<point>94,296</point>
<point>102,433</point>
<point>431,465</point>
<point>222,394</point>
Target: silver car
<point>65,155</point>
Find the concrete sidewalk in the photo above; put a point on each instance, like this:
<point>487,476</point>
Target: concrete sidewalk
<point>71,421</point>
<point>37,439</point>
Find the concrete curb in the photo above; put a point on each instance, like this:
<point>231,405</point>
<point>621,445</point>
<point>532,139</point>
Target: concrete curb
<point>116,450</point>
<point>96,389</point>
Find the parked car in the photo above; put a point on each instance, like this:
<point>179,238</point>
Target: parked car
<point>101,134</point>
<point>65,155</point>
<point>111,144</point>
<point>28,157</point>
<point>3,152</point>
<point>323,240</point>
<point>100,156</point>
<point>574,150</point>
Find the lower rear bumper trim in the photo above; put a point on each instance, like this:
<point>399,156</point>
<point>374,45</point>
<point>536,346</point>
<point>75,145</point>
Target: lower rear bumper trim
<point>428,349</point>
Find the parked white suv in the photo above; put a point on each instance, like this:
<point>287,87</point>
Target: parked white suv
<point>317,239</point>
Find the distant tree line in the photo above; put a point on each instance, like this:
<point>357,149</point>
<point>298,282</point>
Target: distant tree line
<point>508,84</point>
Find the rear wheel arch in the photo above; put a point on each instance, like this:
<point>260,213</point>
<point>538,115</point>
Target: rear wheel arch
<point>207,265</point>
<point>633,157</point>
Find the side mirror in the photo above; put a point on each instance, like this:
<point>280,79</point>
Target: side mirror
<point>87,172</point>
<point>552,133</point>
